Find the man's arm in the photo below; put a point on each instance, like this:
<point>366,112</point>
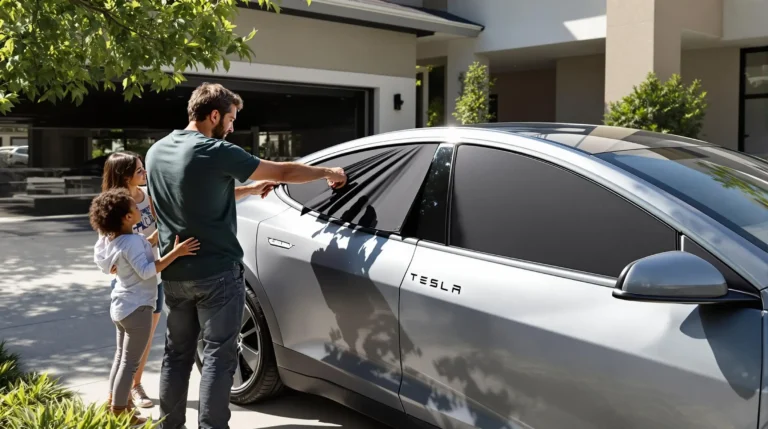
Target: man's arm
<point>293,172</point>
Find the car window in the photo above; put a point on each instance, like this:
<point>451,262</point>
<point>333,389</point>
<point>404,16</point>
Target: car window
<point>728,186</point>
<point>382,184</point>
<point>22,150</point>
<point>514,206</point>
<point>429,216</point>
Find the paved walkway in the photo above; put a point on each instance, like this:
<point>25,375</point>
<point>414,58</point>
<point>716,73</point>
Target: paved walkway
<point>54,311</point>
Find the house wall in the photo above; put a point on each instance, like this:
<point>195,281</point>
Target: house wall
<point>302,50</point>
<point>580,89</point>
<point>524,23</point>
<point>526,96</point>
<point>745,19</point>
<point>718,70</point>
<point>311,43</point>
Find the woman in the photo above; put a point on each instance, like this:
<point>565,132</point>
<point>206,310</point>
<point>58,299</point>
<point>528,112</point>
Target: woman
<point>126,170</point>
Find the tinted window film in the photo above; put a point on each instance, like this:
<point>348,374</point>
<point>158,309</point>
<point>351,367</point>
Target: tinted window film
<point>382,184</point>
<point>428,217</point>
<point>730,187</point>
<point>514,206</point>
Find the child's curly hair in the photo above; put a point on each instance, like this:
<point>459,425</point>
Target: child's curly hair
<point>108,210</point>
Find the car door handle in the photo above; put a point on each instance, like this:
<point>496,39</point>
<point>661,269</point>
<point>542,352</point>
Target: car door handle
<point>279,243</point>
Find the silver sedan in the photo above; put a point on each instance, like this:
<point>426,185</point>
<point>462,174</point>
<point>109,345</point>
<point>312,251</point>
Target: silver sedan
<point>515,276</point>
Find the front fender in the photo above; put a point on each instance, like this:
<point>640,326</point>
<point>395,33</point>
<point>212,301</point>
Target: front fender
<point>253,282</point>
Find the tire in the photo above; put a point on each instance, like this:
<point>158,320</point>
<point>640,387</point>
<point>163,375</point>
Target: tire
<point>264,383</point>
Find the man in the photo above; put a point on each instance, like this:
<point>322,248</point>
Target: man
<point>191,182</point>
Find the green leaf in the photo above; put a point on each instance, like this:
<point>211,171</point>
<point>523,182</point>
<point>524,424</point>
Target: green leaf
<point>89,49</point>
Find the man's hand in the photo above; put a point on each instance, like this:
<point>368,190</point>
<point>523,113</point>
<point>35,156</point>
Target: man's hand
<point>336,177</point>
<point>259,187</point>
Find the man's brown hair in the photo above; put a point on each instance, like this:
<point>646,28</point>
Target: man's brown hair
<point>209,97</point>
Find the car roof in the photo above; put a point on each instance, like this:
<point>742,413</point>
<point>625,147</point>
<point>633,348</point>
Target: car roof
<point>584,139</point>
<point>593,139</point>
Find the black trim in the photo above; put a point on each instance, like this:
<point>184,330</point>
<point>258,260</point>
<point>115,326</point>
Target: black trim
<point>410,227</point>
<point>743,97</point>
<point>254,283</point>
<point>732,278</point>
<point>449,197</point>
<point>732,298</point>
<point>341,20</point>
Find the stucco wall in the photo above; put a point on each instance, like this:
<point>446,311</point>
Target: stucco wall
<point>522,23</point>
<point>527,96</point>
<point>745,19</point>
<point>718,70</point>
<point>580,89</point>
<point>311,43</point>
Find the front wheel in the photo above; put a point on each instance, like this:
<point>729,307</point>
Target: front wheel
<point>256,377</point>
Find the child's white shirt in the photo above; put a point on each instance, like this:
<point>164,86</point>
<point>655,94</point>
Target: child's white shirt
<point>136,283</point>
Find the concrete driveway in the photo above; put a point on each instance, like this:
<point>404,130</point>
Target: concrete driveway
<point>54,311</point>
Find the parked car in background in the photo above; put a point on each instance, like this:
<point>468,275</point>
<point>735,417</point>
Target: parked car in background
<point>14,156</point>
<point>4,151</point>
<point>515,276</point>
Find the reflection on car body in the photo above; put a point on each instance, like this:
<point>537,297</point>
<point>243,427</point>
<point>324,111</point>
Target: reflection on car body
<point>546,225</point>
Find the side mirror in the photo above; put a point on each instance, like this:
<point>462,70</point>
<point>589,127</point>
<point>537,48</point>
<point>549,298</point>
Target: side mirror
<point>674,277</point>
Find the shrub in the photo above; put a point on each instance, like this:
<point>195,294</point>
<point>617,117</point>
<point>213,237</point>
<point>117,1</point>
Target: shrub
<point>36,401</point>
<point>668,107</point>
<point>435,112</point>
<point>472,106</point>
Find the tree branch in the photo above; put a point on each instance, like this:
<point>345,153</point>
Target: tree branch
<point>108,15</point>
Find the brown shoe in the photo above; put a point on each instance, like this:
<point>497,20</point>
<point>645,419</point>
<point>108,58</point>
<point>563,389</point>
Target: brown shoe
<point>135,421</point>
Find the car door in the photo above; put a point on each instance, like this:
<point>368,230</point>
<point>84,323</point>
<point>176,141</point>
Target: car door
<point>332,268</point>
<point>509,305</point>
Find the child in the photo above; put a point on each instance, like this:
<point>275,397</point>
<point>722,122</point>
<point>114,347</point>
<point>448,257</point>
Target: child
<point>126,170</point>
<point>113,214</point>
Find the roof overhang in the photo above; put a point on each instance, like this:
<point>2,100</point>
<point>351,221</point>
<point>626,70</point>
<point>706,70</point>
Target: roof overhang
<point>381,14</point>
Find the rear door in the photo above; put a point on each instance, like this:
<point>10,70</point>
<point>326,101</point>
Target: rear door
<point>332,268</point>
<point>510,312</point>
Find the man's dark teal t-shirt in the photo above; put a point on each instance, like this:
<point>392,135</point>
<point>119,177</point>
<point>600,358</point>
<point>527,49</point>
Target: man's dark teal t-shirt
<point>192,184</point>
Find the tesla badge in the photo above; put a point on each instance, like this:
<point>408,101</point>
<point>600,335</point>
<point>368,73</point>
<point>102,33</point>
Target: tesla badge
<point>436,284</point>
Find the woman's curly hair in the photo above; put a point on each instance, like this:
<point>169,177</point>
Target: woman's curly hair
<point>109,209</point>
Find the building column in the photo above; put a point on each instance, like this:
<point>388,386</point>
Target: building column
<point>461,54</point>
<point>646,36</point>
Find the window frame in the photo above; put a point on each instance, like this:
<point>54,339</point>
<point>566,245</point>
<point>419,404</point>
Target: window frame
<point>534,265</point>
<point>320,157</point>
<point>416,203</point>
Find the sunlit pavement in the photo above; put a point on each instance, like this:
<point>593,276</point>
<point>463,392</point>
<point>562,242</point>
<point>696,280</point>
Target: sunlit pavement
<point>54,311</point>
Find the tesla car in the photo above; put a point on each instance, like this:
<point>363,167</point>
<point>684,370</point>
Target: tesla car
<point>515,276</point>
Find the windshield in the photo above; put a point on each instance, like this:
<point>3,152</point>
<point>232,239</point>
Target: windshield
<point>728,186</point>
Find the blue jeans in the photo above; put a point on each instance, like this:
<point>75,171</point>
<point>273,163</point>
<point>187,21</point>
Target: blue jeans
<point>213,306</point>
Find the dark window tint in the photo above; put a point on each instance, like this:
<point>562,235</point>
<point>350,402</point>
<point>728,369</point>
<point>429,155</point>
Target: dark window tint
<point>23,151</point>
<point>382,184</point>
<point>728,186</point>
<point>428,217</point>
<point>514,206</point>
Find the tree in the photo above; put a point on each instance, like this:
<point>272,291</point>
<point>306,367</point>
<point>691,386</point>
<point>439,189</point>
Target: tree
<point>472,106</point>
<point>56,49</point>
<point>669,107</point>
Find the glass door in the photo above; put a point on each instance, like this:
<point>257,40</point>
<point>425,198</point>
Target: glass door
<point>754,102</point>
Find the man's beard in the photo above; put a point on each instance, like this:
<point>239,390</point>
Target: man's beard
<point>219,132</point>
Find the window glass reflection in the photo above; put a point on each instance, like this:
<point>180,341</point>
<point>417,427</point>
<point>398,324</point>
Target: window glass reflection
<point>730,187</point>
